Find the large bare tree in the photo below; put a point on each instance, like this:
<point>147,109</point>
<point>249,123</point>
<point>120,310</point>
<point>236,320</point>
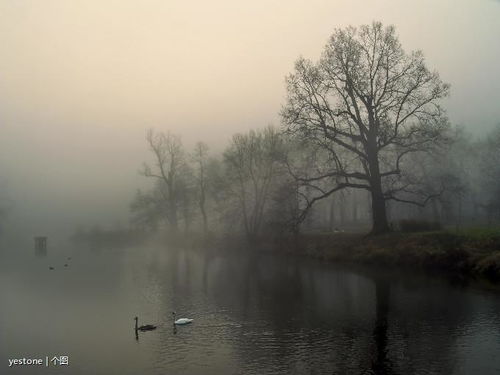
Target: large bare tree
<point>368,104</point>
<point>169,164</point>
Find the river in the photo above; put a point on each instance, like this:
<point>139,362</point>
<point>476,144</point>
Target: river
<point>253,314</point>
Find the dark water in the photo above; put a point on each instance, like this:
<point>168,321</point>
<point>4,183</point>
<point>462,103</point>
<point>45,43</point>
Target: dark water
<point>253,315</point>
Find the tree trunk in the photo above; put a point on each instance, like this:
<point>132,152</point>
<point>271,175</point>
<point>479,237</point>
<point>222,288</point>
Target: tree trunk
<point>332,214</point>
<point>354,207</point>
<point>174,226</point>
<point>204,216</point>
<point>202,196</point>
<point>342,199</point>
<point>379,212</point>
<point>203,211</point>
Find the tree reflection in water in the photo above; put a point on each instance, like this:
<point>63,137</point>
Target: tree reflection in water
<point>289,315</point>
<point>381,365</point>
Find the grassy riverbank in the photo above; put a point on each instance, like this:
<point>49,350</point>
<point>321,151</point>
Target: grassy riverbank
<point>469,253</point>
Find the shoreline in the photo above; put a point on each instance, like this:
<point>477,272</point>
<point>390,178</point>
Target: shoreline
<point>468,254</point>
<point>445,253</point>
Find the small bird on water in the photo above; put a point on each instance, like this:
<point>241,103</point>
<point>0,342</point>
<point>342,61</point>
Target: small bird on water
<point>146,327</point>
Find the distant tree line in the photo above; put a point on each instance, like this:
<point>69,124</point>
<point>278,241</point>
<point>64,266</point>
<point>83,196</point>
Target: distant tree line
<point>364,143</point>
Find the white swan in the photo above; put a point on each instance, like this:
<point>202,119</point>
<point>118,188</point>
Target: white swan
<point>181,321</point>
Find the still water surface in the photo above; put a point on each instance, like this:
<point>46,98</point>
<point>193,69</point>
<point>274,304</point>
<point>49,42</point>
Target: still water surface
<point>253,315</point>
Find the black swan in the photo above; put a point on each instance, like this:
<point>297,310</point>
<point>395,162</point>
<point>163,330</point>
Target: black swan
<point>146,327</point>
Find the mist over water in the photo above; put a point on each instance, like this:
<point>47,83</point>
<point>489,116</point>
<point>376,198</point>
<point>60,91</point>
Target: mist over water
<point>252,314</point>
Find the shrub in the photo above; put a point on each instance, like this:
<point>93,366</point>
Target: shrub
<point>411,225</point>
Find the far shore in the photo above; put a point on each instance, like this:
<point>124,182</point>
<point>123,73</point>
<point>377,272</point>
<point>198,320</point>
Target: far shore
<point>468,254</point>
<point>473,253</point>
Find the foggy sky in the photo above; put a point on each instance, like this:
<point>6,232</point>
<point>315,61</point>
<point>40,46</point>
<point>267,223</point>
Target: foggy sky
<point>81,81</point>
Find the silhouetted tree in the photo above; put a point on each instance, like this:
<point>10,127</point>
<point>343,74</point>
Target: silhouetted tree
<point>490,174</point>
<point>368,104</point>
<point>148,209</point>
<point>252,165</point>
<point>200,158</point>
<point>169,165</point>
